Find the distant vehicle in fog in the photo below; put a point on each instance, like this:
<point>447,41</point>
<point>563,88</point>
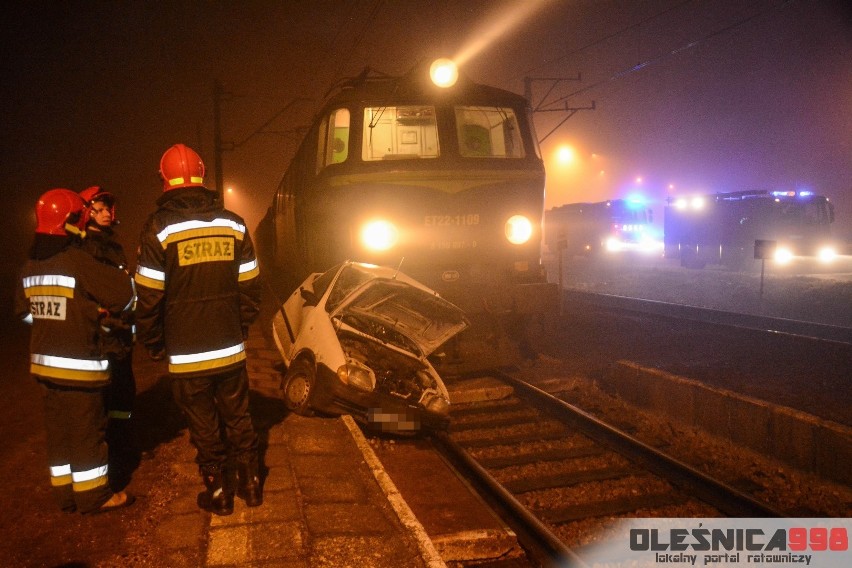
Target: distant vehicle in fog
<point>356,340</point>
<point>608,226</point>
<point>724,228</point>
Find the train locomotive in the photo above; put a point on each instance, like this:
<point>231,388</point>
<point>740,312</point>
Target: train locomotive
<point>442,180</point>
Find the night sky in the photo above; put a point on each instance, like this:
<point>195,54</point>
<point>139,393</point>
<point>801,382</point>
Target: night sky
<point>706,95</point>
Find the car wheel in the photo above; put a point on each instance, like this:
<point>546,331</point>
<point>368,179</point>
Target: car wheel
<point>299,381</point>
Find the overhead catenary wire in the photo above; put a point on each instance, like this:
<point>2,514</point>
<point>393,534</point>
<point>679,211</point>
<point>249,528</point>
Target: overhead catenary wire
<point>672,53</point>
<point>606,38</point>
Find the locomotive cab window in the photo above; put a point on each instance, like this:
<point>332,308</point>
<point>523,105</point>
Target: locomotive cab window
<point>333,146</point>
<point>488,132</point>
<point>404,132</point>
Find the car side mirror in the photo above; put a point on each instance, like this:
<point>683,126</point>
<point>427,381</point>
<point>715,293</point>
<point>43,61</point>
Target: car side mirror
<point>309,297</point>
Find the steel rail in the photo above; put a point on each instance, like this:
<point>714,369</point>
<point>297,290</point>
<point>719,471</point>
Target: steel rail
<point>539,542</point>
<point>712,491</point>
<point>812,330</point>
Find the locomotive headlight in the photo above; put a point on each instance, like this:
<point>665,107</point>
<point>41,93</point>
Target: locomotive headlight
<point>444,73</point>
<point>379,235</point>
<point>518,229</point>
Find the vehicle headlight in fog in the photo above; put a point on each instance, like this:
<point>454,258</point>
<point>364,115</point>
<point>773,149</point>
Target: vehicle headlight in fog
<point>518,229</point>
<point>783,255</point>
<point>650,244</point>
<point>827,254</point>
<point>612,244</point>
<point>379,235</point>
<point>357,375</point>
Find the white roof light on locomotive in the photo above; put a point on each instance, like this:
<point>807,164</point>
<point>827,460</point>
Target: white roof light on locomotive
<point>444,73</point>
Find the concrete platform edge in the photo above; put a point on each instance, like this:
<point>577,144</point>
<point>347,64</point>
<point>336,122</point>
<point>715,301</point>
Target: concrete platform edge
<point>799,439</point>
<point>406,515</point>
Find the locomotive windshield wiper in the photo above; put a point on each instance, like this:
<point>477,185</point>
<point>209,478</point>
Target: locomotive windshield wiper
<point>376,117</point>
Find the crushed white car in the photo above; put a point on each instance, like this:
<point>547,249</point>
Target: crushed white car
<point>356,340</point>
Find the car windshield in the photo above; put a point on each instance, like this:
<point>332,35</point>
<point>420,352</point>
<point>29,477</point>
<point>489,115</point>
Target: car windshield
<point>321,282</point>
<point>351,277</point>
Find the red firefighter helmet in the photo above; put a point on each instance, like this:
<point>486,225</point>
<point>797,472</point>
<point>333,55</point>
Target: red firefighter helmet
<point>60,212</point>
<point>181,166</point>
<point>94,194</point>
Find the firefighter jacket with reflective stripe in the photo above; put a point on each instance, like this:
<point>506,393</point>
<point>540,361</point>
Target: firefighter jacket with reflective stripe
<point>197,283</point>
<point>64,297</point>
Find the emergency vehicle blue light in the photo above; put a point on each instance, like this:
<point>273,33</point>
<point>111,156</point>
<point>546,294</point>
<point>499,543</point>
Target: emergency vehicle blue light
<point>636,201</point>
<point>805,193</point>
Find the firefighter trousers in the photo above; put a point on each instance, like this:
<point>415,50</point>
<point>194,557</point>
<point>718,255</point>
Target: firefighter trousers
<point>121,392</point>
<point>119,397</point>
<point>216,408</point>
<point>75,423</point>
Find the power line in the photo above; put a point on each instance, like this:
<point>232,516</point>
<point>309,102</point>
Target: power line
<point>672,53</point>
<point>607,38</point>
<point>359,37</point>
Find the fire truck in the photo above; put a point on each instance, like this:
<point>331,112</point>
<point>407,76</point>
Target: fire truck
<point>606,226</point>
<point>733,229</point>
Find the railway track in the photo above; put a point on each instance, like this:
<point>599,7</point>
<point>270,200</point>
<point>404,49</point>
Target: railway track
<point>773,325</point>
<point>553,472</point>
<point>766,358</point>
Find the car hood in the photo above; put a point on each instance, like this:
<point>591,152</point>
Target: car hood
<point>420,315</point>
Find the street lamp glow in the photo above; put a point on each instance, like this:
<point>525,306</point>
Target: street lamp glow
<point>565,154</point>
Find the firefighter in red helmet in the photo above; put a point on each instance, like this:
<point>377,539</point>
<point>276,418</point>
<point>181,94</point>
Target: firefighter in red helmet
<point>180,167</point>
<point>64,293</point>
<point>197,282</point>
<point>100,241</point>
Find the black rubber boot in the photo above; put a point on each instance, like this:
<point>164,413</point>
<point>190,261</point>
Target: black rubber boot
<point>249,488</point>
<point>218,499</point>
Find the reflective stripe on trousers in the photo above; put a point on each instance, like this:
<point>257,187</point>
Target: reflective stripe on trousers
<point>75,422</point>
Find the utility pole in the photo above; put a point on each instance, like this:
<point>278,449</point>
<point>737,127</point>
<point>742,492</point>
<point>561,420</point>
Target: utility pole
<point>218,95</point>
<point>220,147</point>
